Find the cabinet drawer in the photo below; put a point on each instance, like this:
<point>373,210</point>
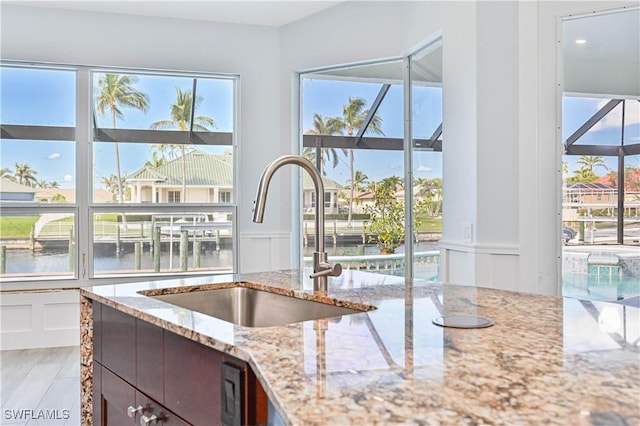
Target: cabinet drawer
<point>118,332</point>
<point>115,397</point>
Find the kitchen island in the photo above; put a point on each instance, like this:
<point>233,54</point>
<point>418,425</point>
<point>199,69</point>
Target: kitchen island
<point>546,360</point>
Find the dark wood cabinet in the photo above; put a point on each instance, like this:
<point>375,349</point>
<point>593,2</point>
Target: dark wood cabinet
<point>139,366</point>
<point>116,396</point>
<point>118,337</point>
<point>192,379</point>
<point>149,359</point>
<point>155,413</point>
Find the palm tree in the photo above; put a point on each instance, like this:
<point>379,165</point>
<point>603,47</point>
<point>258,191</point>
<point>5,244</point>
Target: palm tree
<point>331,126</point>
<point>5,172</point>
<point>42,184</point>
<point>155,161</point>
<point>180,114</point>
<point>114,92</point>
<point>431,191</point>
<point>582,175</point>
<point>591,161</point>
<point>360,182</point>
<point>166,150</point>
<point>111,183</point>
<point>25,175</point>
<point>353,115</point>
<point>54,184</point>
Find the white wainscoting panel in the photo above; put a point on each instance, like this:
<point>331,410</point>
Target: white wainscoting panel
<point>39,319</point>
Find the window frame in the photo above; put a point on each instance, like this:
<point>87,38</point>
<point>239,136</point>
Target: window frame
<point>84,208</point>
<point>408,144</point>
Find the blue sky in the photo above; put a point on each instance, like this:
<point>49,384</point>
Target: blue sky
<point>328,97</point>
<point>47,97</point>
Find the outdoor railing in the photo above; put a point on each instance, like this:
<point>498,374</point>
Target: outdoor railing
<point>382,262</point>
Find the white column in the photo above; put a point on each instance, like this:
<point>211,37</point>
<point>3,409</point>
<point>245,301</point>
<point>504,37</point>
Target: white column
<point>480,241</point>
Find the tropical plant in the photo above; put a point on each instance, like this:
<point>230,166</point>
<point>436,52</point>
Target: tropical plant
<point>180,119</point>
<point>155,161</point>
<point>54,184</point>
<point>25,175</point>
<point>166,150</point>
<point>582,175</point>
<point>59,198</point>
<point>590,162</point>
<point>331,126</point>
<point>386,216</point>
<point>111,184</point>
<point>353,116</point>
<point>431,193</point>
<point>360,184</point>
<point>632,178</point>
<point>5,172</point>
<point>114,92</point>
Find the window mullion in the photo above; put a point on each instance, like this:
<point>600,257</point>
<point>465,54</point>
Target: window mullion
<point>84,176</point>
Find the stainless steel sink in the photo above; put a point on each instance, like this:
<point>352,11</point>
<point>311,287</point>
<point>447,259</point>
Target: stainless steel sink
<point>250,307</point>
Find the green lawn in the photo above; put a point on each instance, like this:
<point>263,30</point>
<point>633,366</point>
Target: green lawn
<point>17,226</point>
<point>20,226</point>
<point>430,224</point>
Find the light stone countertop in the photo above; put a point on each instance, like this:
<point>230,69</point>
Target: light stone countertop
<point>545,361</point>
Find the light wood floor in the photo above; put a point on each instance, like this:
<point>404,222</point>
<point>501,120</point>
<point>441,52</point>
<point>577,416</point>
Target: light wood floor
<point>40,387</point>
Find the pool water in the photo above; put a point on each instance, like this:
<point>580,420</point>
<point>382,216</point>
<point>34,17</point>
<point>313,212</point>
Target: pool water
<point>604,285</point>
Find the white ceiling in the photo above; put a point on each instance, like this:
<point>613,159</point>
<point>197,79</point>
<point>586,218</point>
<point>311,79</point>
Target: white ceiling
<point>608,63</point>
<point>265,12</point>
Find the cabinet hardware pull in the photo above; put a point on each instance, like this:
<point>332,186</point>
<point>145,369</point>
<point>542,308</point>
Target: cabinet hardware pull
<point>131,412</point>
<point>144,420</point>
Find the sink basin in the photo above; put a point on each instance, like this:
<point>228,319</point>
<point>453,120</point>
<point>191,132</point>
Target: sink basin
<point>251,307</point>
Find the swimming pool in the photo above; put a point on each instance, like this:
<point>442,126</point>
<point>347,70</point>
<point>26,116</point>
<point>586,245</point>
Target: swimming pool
<point>602,286</point>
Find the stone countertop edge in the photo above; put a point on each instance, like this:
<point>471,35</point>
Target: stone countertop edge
<point>524,370</point>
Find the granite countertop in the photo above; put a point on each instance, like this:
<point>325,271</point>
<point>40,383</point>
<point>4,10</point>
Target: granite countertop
<point>546,360</point>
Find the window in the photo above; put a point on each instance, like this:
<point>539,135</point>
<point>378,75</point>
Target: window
<point>354,131</point>
<point>174,196</point>
<point>225,197</point>
<point>327,200</point>
<point>161,144</point>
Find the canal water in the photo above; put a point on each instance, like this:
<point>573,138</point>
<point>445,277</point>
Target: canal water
<point>23,262</point>
<point>56,262</point>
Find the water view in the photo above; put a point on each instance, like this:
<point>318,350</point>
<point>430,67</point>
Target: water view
<point>595,285</point>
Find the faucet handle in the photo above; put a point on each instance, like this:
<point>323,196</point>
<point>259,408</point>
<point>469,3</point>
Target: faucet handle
<point>327,269</point>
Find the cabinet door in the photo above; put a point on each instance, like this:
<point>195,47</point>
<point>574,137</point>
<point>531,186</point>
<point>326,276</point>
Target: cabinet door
<point>115,397</point>
<point>192,380</point>
<point>97,393</point>
<point>155,413</point>
<point>118,332</point>
<point>149,359</point>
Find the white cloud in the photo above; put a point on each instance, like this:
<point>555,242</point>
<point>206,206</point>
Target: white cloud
<point>394,166</point>
<point>67,178</point>
<point>614,118</point>
<point>54,156</point>
<point>422,168</point>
